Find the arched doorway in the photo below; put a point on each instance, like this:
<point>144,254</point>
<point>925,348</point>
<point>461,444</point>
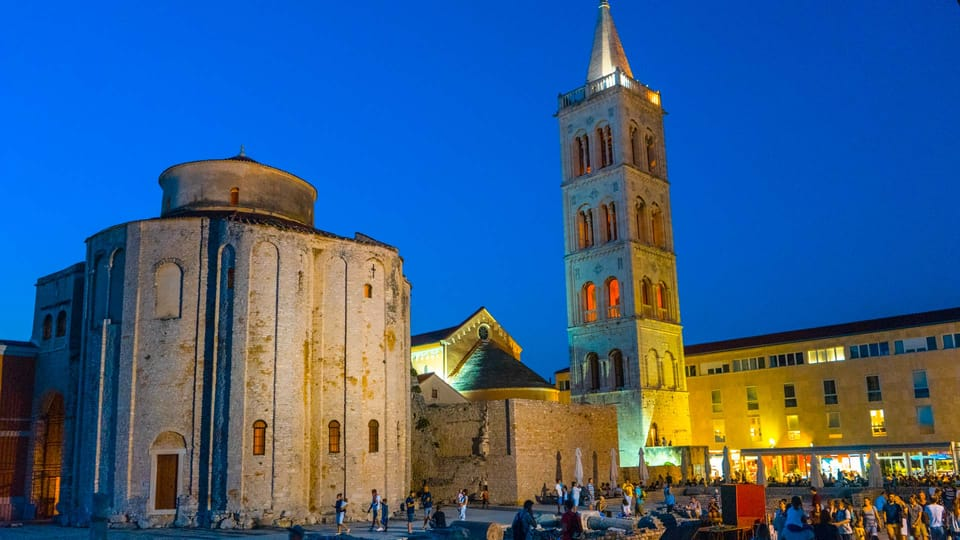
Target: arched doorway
<point>166,452</point>
<point>48,457</point>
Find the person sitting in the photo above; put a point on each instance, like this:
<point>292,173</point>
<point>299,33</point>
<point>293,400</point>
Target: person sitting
<point>439,518</point>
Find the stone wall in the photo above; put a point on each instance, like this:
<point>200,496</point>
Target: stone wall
<point>510,445</point>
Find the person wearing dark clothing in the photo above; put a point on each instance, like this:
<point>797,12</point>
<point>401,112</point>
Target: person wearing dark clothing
<point>523,522</point>
<point>570,523</point>
<point>439,518</point>
<point>825,529</point>
<point>892,517</point>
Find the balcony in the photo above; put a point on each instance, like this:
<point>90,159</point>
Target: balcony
<point>617,78</point>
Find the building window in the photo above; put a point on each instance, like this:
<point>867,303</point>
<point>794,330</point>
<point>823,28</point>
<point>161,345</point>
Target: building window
<point>610,222</point>
<point>830,354</point>
<point>581,155</point>
<point>373,431</point>
<point>640,220</point>
<point>833,420</point>
<point>333,434</point>
<point>919,344</point>
<point>691,371</point>
<point>789,396</point>
<point>786,359</point>
<point>651,154</point>
<point>613,298</point>
<point>749,364</point>
<point>367,290</point>
<point>234,196</point>
<point>868,350</point>
<point>634,145</point>
<point>877,424</point>
<point>616,358</point>
<point>920,388</point>
<point>719,431</point>
<point>593,363</point>
<point>434,393</point>
<point>605,138</point>
<point>259,438</point>
<point>61,324</point>
<point>646,297</point>
<point>48,327</point>
<point>873,388</point>
<point>716,400</point>
<point>230,277</point>
<point>168,290</point>
<point>663,303</point>
<point>753,402</point>
<point>830,392</point>
<point>756,435</point>
<point>793,427</point>
<point>925,418</point>
<point>585,228</point>
<point>588,301</point>
<point>656,226</point>
<point>951,341</point>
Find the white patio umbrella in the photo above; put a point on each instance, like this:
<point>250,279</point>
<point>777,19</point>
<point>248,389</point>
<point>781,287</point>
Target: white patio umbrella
<point>642,468</point>
<point>725,464</point>
<point>761,472</point>
<point>614,468</point>
<point>875,474</point>
<point>578,467</point>
<point>816,479</point>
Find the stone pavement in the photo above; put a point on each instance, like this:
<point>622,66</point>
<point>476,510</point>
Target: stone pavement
<point>397,530</point>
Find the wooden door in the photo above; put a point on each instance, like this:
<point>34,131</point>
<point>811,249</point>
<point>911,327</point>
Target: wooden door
<point>165,497</point>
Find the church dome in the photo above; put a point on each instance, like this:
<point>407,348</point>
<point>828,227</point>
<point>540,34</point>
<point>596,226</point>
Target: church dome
<point>237,184</point>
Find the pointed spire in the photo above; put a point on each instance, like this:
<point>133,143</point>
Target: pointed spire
<point>607,55</point>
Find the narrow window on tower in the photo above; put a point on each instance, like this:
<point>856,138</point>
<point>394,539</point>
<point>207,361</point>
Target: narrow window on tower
<point>586,153</point>
<point>602,148</point>
<point>651,154</point>
<point>61,324</point>
<point>584,228</point>
<point>367,290</point>
<point>608,134</point>
<point>259,438</point>
<point>663,311</point>
<point>645,297</point>
<point>373,445</point>
<point>580,160</point>
<point>640,220</point>
<point>333,436</point>
<point>48,327</point>
<point>656,226</point>
<point>234,196</point>
<point>594,362</point>
<point>610,221</point>
<point>616,358</point>
<point>634,145</point>
<point>613,298</point>
<point>589,302</point>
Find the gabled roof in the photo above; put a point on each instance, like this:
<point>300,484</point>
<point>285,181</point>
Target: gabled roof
<point>490,367</point>
<point>436,335</point>
<point>607,55</point>
<point>835,330</point>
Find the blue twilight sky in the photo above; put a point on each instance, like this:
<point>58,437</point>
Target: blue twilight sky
<point>813,146</point>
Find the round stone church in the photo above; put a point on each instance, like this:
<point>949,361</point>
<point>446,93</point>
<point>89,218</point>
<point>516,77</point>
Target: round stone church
<point>238,364</point>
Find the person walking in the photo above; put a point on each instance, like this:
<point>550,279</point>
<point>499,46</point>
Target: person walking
<point>426,502</point>
<point>915,524</point>
<point>462,505</point>
<point>340,508</point>
<point>374,509</point>
<point>523,522</point>
<point>951,522</point>
<point>485,497</point>
<point>575,494</point>
<point>935,512</point>
<point>870,520</point>
<point>843,520</point>
<point>892,516</point>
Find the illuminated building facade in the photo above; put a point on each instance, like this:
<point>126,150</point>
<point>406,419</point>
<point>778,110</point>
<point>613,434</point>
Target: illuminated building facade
<point>624,328</point>
<point>837,392</point>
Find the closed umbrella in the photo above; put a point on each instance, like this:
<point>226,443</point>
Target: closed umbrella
<point>875,475</point>
<point>642,468</point>
<point>684,463</point>
<point>614,468</point>
<point>761,472</point>
<point>725,465</point>
<point>816,479</point>
<point>707,470</point>
<point>578,467</point>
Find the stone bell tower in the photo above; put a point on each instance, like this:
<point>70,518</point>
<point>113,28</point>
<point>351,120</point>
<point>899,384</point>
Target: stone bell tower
<point>626,345</point>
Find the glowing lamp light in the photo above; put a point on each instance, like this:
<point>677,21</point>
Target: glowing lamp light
<point>772,442</point>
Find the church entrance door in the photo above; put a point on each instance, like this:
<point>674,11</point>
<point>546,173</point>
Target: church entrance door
<point>165,497</point>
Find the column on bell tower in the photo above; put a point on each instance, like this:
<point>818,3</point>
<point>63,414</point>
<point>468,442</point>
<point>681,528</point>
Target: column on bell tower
<point>624,331</point>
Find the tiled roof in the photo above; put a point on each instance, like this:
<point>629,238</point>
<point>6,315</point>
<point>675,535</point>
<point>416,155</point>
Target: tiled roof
<point>491,367</point>
<point>436,335</point>
<point>835,330</point>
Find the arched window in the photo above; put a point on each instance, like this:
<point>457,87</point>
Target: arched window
<point>581,155</point>
<point>259,438</point>
<point>588,302</point>
<point>167,283</point>
<point>374,433</point>
<point>663,302</point>
<point>48,327</point>
<point>585,227</point>
<point>656,226</point>
<point>367,290</point>
<point>333,434</point>
<point>61,323</point>
<point>640,220</point>
<point>234,196</point>
<point>613,298</point>
<point>616,358</point>
<point>605,140</point>
<point>609,222</point>
<point>651,144</point>
<point>646,297</point>
<point>634,145</point>
<point>593,361</point>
